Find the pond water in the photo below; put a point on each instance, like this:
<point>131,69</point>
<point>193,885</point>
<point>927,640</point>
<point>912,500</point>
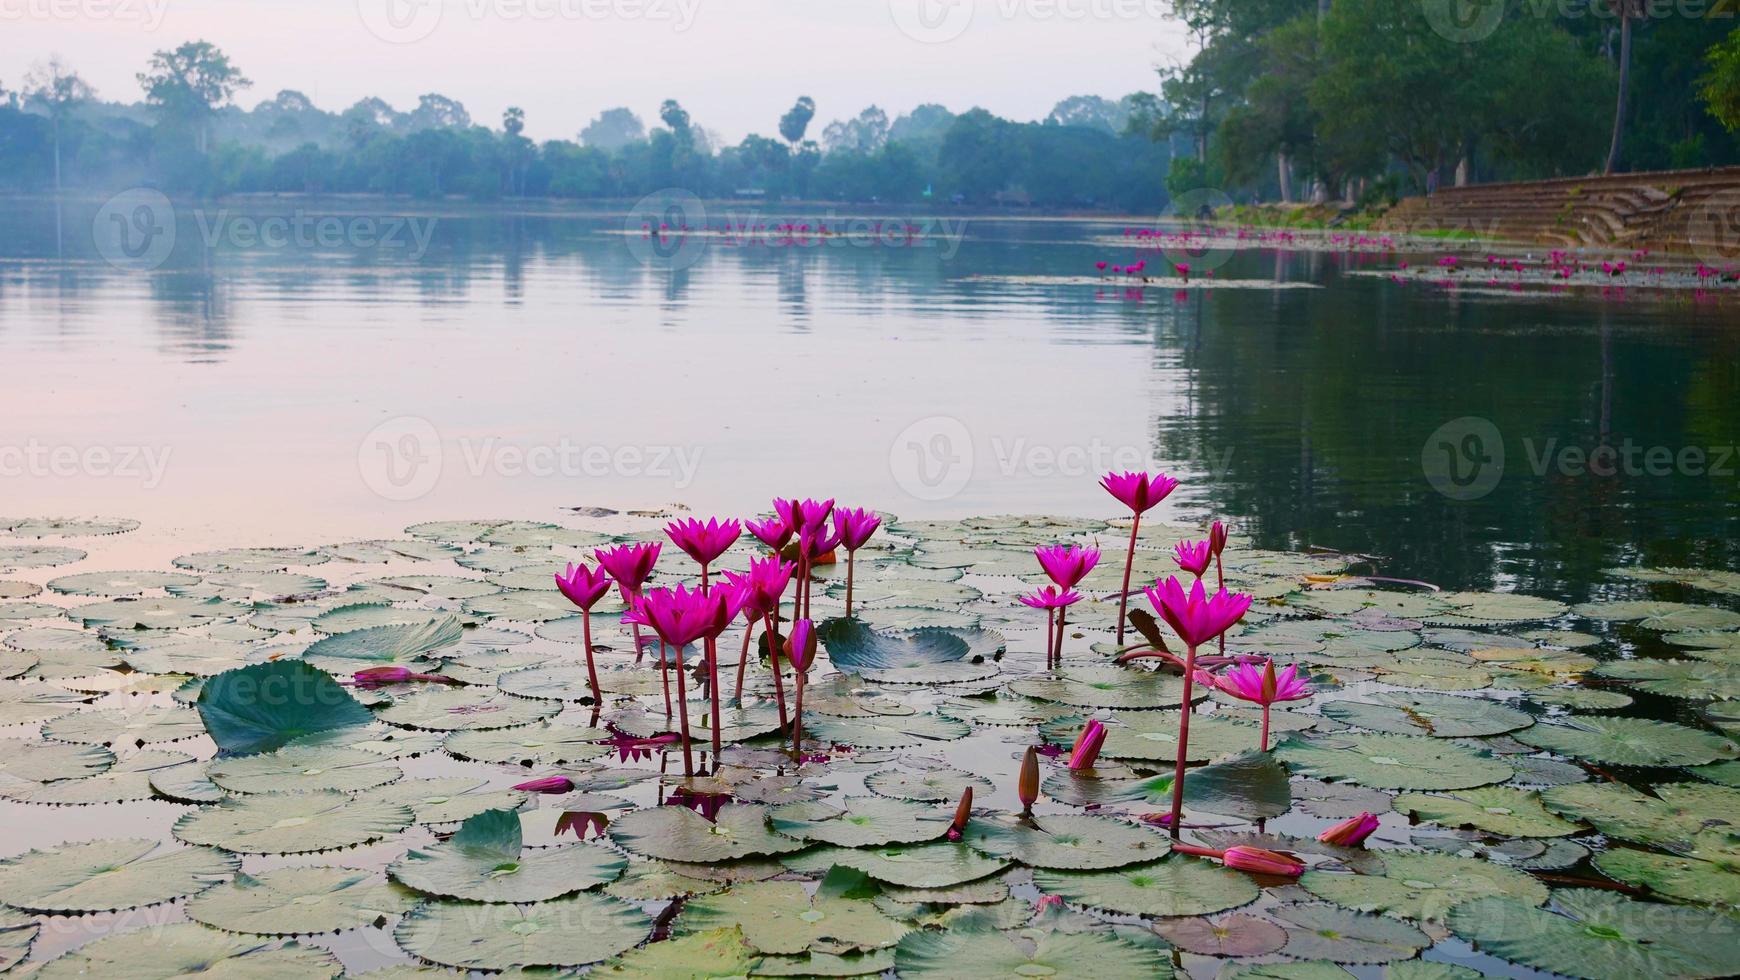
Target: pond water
<point>238,390</point>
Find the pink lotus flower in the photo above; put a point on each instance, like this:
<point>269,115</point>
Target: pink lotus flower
<point>760,589</point>
<point>1193,556</point>
<point>1139,491</point>
<point>1259,861</point>
<point>630,748</point>
<point>773,532</point>
<point>583,586</point>
<point>1050,598</point>
<point>814,541</point>
<point>629,564</point>
<point>1350,832</point>
<point>1217,538</point>
<point>1067,566</point>
<point>370,677</point>
<point>1262,685</point>
<point>800,646</point>
<point>703,542</point>
<point>1087,746</point>
<point>1100,265</point>
<point>799,514</point>
<point>547,784</point>
<point>679,616</point>
<point>1194,616</point>
<point>854,526</point>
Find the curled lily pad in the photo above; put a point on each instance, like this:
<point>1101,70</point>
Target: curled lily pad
<point>1331,933</point>
<point>484,862</point>
<point>1599,936</point>
<point>451,709</point>
<point>782,917</point>
<point>1495,809</point>
<point>1068,841</point>
<point>1630,741</point>
<point>930,786</point>
<point>122,727</point>
<point>299,769</point>
<point>181,949</point>
<point>1419,713</point>
<point>572,931</point>
<point>1423,887</point>
<point>1393,761</point>
<point>299,901</point>
<point>292,823</point>
<point>265,706</point>
<point>105,875</point>
<point>677,833</point>
<point>1096,686</point>
<point>932,865</point>
<point>1176,885</point>
<point>861,821</point>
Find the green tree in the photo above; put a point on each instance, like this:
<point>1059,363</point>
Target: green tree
<point>189,83</point>
<point>796,120</point>
<point>1720,86</point>
<point>58,90</point>
<point>613,129</point>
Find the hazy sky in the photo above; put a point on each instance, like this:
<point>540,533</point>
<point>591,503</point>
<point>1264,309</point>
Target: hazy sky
<point>736,65</point>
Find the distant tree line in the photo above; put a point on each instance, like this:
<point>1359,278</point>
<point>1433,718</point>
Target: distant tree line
<point>188,136</point>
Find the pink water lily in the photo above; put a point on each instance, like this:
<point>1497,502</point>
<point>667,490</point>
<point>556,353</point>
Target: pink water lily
<point>1065,564</point>
<point>584,587</point>
<point>854,528</point>
<point>759,592</point>
<point>1262,685</point>
<point>1088,745</point>
<point>1351,832</point>
<point>629,564</point>
<point>772,531</point>
<point>1053,602</point>
<point>703,542</point>
<point>800,514</point>
<point>1140,492</point>
<point>1193,556</point>
<point>680,617</point>
<point>800,649</point>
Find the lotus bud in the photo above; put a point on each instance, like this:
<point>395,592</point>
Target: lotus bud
<point>547,784</point>
<point>963,813</point>
<point>800,646</point>
<point>1351,832</point>
<point>1027,788</point>
<point>1087,746</point>
<point>1260,861</point>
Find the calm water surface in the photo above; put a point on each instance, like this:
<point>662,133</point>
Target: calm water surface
<point>515,365</point>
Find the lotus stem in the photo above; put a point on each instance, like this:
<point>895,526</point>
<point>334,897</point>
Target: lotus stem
<point>743,661</point>
<point>683,713</point>
<point>591,669</point>
<point>1057,658</point>
<point>1263,739</point>
<point>772,635</point>
<point>1129,564</point>
<point>851,562</point>
<point>797,720</point>
<point>713,690</point>
<point>1183,740</point>
<point>665,675</point>
<point>1050,634</point>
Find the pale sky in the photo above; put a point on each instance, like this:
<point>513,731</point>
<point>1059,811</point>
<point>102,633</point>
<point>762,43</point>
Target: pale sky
<point>736,65</point>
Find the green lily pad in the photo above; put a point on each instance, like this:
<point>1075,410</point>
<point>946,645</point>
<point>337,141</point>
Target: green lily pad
<point>394,643</point>
<point>127,780</point>
<point>717,954</point>
<point>861,821</point>
<point>1600,936</point>
<point>1330,933</point>
<point>676,833</point>
<point>46,762</point>
<point>520,605</point>
<point>582,928</point>
<point>1665,616</point>
<point>106,875</point>
<point>182,949</point>
<point>484,862</point>
<point>1393,761</point>
<point>1697,680</point>
<point>1691,819</point>
<point>265,706</point>
<point>299,901</point>
<point>987,953</point>
<point>1068,841</point>
<point>124,727</point>
<point>541,744</point>
<point>1439,715</point>
<point>1630,741</point>
<point>885,733</point>
<point>1686,879</point>
<point>649,881</point>
<point>1581,698</point>
<point>1234,935</point>
<point>168,613</point>
<point>26,705</point>
<point>1423,887</point>
<point>447,799</point>
<point>1152,736</point>
<point>292,823</point>
<point>369,615</point>
<point>781,916</point>
<point>185,783</point>
<point>116,584</point>
<point>1177,885</point>
<point>1095,686</point>
<point>299,769</point>
<point>934,865</point>
<point>930,786</point>
<point>452,709</point>
<point>1494,809</point>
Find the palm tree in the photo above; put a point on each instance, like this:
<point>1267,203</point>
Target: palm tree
<point>1627,9</point>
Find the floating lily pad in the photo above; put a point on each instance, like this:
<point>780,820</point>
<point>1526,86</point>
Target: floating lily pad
<point>1630,741</point>
<point>1393,761</point>
<point>1338,801</point>
<point>300,769</point>
<point>447,799</point>
<point>128,779</point>
<point>1330,933</point>
<point>17,932</point>
<point>677,833</point>
<point>396,643</point>
<point>933,865</point>
<point>484,862</point>
<point>1600,936</point>
<point>451,709</point>
<point>1152,736</point>
<point>1439,715</point>
<point>572,931</point>
<point>885,733</point>
<point>185,783</point>
<point>781,917</point>
<point>1236,935</point>
<point>248,559</point>
<point>20,556</point>
<point>521,605</point>
<point>714,953</point>
<point>381,550</point>
<point>861,821</point>
<point>292,823</point>
<point>1697,680</point>
<point>116,584</point>
<point>368,615</point>
<point>24,705</point>
<point>299,901</point>
<point>46,762</point>
<point>1692,819</point>
<point>1581,698</point>
<point>541,744</point>
<point>1077,842</point>
<point>125,727</point>
<point>1495,809</point>
<point>1091,686</point>
<point>1423,887</point>
<point>987,953</point>
<point>106,875</point>
<point>264,707</point>
<point>168,613</point>
<point>930,786</point>
<point>1177,885</point>
<point>182,949</point>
